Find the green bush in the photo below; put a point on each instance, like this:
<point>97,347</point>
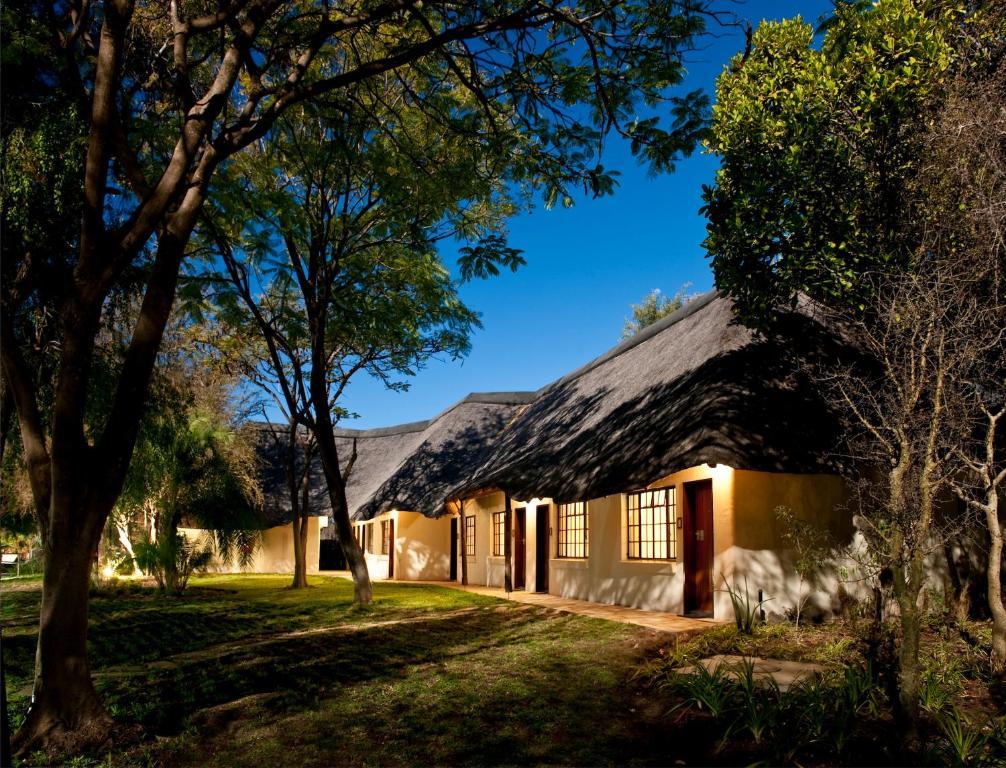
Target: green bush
<point>171,560</point>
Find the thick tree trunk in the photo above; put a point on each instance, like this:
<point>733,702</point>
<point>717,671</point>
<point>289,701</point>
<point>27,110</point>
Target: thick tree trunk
<point>299,551</point>
<point>6,415</point>
<point>324,435</point>
<point>66,712</point>
<point>909,667</point>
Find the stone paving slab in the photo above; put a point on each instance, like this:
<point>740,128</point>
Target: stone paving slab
<point>679,626</point>
<point>785,673</point>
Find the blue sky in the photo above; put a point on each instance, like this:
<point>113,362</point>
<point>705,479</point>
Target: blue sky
<point>585,266</point>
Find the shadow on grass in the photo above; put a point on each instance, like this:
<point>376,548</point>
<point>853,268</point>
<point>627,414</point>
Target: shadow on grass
<point>300,670</point>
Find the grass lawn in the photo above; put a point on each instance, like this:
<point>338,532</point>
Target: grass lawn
<point>241,671</point>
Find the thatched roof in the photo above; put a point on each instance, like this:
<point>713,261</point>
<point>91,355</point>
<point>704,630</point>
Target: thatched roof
<point>693,388</point>
<point>451,447</point>
<point>271,443</point>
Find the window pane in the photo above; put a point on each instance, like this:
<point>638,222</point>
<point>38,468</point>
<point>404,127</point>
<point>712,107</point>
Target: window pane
<point>650,525</point>
<point>470,535</point>
<point>499,540</point>
<point>573,530</point>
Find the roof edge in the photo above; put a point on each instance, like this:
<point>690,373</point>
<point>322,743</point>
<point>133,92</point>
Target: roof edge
<point>647,333</point>
<point>395,429</point>
<point>485,398</point>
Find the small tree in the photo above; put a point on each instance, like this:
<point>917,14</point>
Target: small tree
<point>654,307</point>
<point>964,184</point>
<point>902,411</point>
<point>811,549</point>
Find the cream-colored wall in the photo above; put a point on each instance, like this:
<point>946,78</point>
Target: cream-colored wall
<point>758,550</point>
<point>747,540</point>
<point>377,564</point>
<point>274,553</point>
<point>605,575</point>
<point>484,565</point>
<point>608,576</point>
<point>422,547</point>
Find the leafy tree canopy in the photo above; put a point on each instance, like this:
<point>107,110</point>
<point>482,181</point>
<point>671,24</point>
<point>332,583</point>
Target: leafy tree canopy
<point>819,148</point>
<point>652,308</point>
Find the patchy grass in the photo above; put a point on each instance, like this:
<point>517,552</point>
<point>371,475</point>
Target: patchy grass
<point>243,671</point>
<point>835,644</point>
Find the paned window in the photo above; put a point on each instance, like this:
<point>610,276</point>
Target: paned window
<point>470,535</point>
<point>573,539</point>
<point>385,536</point>
<point>499,533</point>
<point>650,526</point>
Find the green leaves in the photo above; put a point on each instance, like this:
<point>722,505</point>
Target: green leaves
<point>486,257</point>
<point>818,148</point>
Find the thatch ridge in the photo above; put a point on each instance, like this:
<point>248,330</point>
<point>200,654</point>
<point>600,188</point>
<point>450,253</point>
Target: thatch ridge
<point>694,388</point>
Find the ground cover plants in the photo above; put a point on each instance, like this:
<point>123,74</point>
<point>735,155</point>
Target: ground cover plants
<point>842,716</point>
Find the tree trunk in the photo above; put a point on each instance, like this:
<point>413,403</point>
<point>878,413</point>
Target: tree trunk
<point>66,713</point>
<point>123,533</point>
<point>300,527</point>
<point>909,668</point>
<point>169,539</point>
<point>324,434</point>
<point>463,529</point>
<point>299,488</point>
<point>6,415</point>
<point>995,582</point>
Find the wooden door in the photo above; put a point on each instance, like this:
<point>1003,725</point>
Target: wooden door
<point>391,549</point>
<point>699,547</point>
<point>519,548</point>
<point>541,548</point>
<point>454,549</point>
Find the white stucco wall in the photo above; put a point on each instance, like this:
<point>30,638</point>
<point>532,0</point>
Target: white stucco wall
<point>274,553</point>
<point>422,547</point>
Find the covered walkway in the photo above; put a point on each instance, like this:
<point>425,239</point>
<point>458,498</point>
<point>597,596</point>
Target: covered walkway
<point>662,622</point>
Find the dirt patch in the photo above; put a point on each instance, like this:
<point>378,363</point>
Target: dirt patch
<point>228,716</point>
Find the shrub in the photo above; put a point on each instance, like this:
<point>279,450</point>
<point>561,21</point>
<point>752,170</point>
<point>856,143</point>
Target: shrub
<point>965,744</point>
<point>747,613</point>
<point>171,560</point>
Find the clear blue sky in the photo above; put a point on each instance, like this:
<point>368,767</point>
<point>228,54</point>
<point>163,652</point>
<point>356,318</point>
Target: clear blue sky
<point>585,266</point>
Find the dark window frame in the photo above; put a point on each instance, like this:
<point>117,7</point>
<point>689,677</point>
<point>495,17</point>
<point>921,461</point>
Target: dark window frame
<point>499,533</point>
<point>572,511</point>
<point>469,535</point>
<point>647,548</point>
<point>385,537</point>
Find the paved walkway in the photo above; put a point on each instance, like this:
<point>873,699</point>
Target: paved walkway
<point>680,626</point>
<point>785,673</point>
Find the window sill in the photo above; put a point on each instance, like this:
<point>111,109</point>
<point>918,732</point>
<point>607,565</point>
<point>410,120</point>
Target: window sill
<point>649,563</point>
<point>572,563</point>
